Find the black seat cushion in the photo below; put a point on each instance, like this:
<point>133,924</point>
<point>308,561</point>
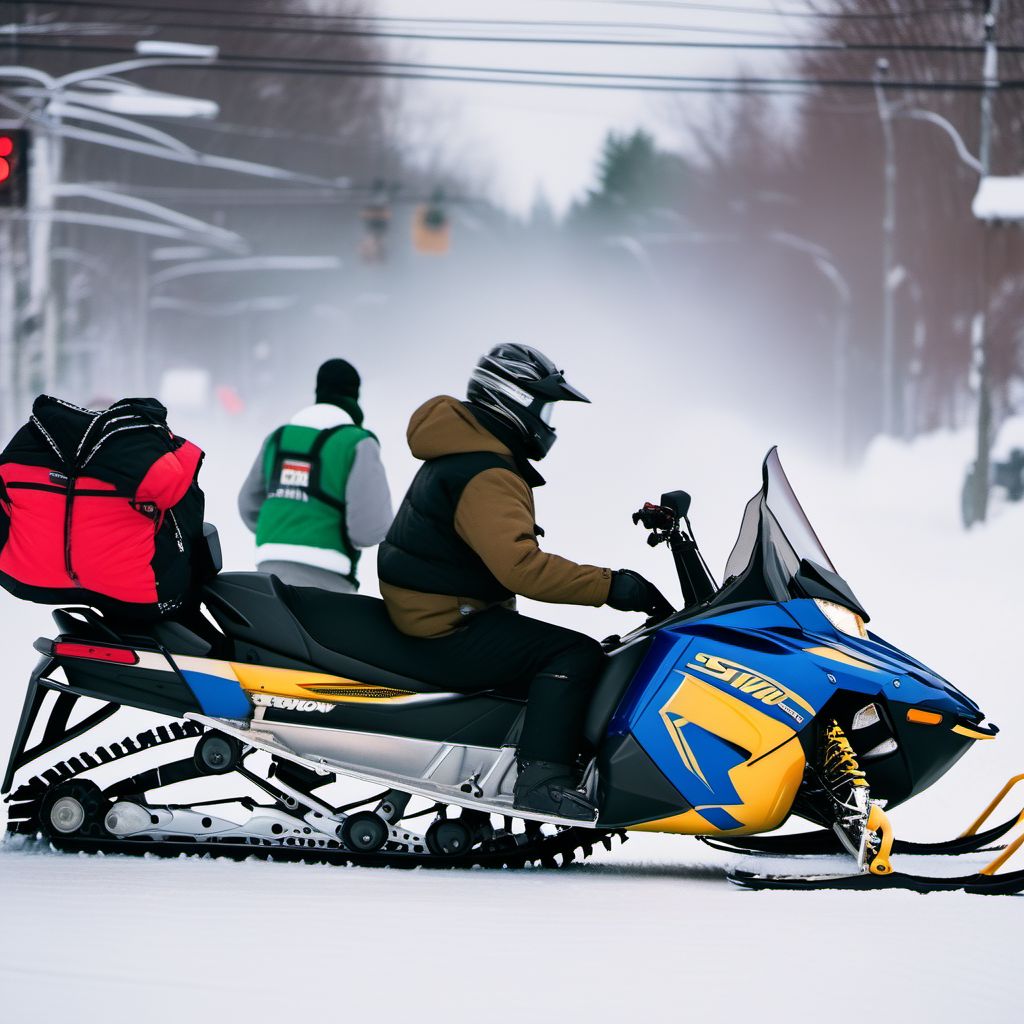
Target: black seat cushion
<point>344,634</point>
<point>349,624</point>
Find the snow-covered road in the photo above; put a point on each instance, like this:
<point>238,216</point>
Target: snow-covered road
<point>119,939</point>
<point>649,931</point>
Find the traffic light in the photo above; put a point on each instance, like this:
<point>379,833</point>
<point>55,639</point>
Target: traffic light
<point>376,218</point>
<point>431,228</point>
<point>13,167</point>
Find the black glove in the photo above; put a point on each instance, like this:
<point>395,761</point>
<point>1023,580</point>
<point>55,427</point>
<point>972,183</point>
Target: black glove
<point>630,592</point>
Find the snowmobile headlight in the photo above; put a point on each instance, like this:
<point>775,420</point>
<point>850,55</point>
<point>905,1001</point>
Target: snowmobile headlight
<point>888,746</point>
<point>846,621</point>
<point>867,716</point>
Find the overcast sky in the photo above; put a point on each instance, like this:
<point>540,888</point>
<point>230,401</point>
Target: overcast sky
<point>521,138</point>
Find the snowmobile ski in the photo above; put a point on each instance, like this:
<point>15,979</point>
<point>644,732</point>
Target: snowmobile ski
<point>984,882</point>
<point>824,842</point>
<point>981,884</point>
<point>880,874</point>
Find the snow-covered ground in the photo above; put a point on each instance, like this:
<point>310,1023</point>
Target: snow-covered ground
<point>646,932</point>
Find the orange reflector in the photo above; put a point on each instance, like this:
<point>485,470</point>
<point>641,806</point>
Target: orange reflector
<point>924,717</point>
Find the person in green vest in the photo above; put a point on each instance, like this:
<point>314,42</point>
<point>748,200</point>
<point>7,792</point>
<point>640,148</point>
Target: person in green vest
<point>317,493</point>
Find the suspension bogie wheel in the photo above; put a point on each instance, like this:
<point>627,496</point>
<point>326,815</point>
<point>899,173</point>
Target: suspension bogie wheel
<point>449,837</point>
<point>73,808</point>
<point>364,832</point>
<point>217,754</point>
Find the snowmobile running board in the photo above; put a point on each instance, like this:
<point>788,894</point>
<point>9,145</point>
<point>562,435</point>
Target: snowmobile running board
<point>824,841</point>
<point>503,805</point>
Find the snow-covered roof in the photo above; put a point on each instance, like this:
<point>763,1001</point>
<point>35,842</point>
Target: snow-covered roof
<point>999,199</point>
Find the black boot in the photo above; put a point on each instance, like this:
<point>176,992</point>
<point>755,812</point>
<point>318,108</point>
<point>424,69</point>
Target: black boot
<point>548,788</point>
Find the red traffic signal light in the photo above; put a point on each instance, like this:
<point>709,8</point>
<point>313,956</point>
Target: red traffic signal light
<point>13,167</point>
<point>6,150</point>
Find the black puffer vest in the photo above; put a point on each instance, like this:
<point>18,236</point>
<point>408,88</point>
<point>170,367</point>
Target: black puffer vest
<point>422,550</point>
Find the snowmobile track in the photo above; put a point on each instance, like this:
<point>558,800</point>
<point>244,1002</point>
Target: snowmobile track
<point>564,847</point>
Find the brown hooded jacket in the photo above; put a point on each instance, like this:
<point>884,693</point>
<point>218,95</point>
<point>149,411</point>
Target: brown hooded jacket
<point>495,517</point>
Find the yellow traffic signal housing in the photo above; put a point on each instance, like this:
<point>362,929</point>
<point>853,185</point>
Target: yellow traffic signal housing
<point>431,229</point>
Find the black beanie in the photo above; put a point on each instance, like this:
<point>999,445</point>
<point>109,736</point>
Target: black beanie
<point>335,380</point>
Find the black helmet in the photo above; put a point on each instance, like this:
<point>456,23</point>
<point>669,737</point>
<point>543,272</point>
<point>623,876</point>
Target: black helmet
<point>519,384</point>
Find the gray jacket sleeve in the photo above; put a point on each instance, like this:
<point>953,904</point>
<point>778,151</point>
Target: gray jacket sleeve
<point>253,493</point>
<point>367,497</point>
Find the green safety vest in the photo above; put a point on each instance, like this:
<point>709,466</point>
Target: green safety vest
<point>306,473</point>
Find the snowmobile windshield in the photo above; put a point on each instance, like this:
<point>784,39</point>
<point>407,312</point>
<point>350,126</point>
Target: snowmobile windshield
<point>775,538</point>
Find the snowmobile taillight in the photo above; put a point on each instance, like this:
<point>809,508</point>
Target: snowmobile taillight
<point>923,717</point>
<point>96,652</point>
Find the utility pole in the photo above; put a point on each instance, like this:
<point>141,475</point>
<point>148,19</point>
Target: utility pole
<point>888,248</point>
<point>40,319</point>
<point>8,333</point>
<point>980,335</point>
<point>10,409</point>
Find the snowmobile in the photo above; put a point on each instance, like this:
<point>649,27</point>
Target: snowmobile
<point>764,698</point>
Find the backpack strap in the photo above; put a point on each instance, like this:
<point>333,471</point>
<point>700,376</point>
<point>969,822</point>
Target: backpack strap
<point>47,437</point>
<point>276,455</point>
<point>315,453</point>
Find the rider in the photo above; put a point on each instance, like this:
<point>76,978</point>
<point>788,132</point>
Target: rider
<point>317,493</point>
<point>464,544</point>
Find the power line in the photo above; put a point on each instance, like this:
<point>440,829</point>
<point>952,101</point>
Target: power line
<point>516,76</point>
<point>837,46</point>
<point>309,16</point>
<point>777,12</point>
<point>372,19</point>
<point>450,37</point>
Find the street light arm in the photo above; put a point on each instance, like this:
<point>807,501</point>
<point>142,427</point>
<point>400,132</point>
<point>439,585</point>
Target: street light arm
<point>831,271</point>
<point>216,236</point>
<point>75,28</point>
<point>937,119</point>
<point>65,110</point>
<point>189,156</point>
<point>102,220</point>
<point>195,158</point>
<point>143,131</point>
<point>136,64</point>
<point>29,74</point>
<point>821,258</point>
<point>247,263</point>
<point>67,254</point>
<point>804,245</point>
<point>262,304</point>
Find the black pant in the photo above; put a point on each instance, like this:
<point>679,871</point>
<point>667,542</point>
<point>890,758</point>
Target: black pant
<point>553,667</point>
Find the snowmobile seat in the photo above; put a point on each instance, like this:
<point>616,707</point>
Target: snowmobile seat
<point>305,627</point>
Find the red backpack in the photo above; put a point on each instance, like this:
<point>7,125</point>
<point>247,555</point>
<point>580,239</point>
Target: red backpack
<point>100,508</point>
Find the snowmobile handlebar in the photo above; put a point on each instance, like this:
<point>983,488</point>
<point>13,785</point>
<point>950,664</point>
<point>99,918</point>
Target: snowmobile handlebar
<point>664,521</point>
<point>655,517</point>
